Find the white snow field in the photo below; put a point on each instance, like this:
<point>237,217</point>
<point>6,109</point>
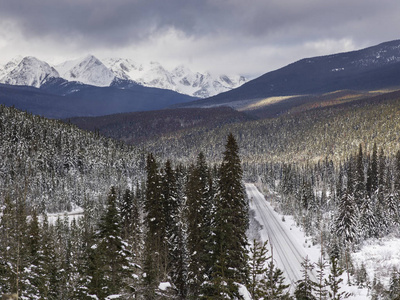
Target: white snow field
<point>289,244</point>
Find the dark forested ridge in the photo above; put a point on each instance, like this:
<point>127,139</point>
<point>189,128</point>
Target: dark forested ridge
<point>137,127</point>
<point>58,98</point>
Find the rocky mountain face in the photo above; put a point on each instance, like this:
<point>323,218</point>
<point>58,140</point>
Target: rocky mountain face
<point>89,70</point>
<point>29,71</point>
<point>181,79</point>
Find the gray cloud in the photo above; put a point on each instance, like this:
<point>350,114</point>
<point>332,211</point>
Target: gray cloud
<point>237,24</point>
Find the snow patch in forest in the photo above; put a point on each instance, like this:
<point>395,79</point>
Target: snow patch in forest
<point>164,286</point>
<point>380,257</point>
<point>74,214</point>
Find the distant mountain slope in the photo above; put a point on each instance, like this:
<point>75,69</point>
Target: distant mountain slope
<point>138,127</point>
<point>373,68</point>
<point>58,98</point>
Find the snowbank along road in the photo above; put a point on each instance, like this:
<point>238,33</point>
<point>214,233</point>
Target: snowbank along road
<point>288,254</point>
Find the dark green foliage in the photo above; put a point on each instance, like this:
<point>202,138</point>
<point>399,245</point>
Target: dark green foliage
<point>334,281</point>
<point>347,220</point>
<point>305,289</point>
<point>231,220</point>
<point>274,285</point>
<point>199,221</point>
<point>320,288</point>
<point>372,175</point>
<point>257,268</point>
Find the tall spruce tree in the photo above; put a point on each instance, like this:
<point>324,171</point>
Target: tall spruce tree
<point>231,223</point>
<point>334,280</point>
<point>306,287</point>
<point>199,223</point>
<point>359,184</point>
<point>154,264</point>
<point>372,174</point>
<point>258,269</point>
<point>110,253</point>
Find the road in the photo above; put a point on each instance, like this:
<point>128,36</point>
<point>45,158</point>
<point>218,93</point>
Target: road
<point>287,251</point>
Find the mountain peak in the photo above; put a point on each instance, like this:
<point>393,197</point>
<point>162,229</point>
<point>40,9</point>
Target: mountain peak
<point>29,71</point>
<point>88,70</point>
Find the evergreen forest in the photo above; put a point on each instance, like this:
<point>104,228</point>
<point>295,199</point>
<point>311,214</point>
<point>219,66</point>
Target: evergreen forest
<point>167,218</point>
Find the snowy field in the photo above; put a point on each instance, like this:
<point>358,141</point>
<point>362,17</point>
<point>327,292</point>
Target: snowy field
<point>380,257</point>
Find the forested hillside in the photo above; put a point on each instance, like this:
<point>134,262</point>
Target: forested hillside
<point>332,132</point>
<point>137,127</point>
<point>55,166</point>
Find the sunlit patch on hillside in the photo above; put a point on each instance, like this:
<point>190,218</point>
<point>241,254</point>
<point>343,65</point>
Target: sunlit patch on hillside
<point>264,102</point>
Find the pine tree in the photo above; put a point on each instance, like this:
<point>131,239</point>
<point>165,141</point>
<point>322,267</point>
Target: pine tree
<point>347,219</point>
<point>35,281</point>
<point>334,281</point>
<point>126,209</point>
<point>321,291</point>
<point>359,187</point>
<point>305,287</point>
<point>274,283</point>
<point>199,220</point>
<point>258,269</point>
<point>372,174</point>
<point>368,220</point>
<point>231,222</point>
<point>154,264</point>
<point>110,255</point>
<point>173,231</point>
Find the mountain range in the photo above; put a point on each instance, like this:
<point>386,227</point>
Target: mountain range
<point>30,71</point>
<point>90,87</point>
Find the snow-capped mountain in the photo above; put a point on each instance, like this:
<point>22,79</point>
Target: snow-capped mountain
<point>91,71</point>
<point>180,79</point>
<point>29,71</point>
<point>88,70</point>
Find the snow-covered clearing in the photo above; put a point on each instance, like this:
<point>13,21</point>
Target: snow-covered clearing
<point>75,214</point>
<point>380,257</point>
<point>288,241</point>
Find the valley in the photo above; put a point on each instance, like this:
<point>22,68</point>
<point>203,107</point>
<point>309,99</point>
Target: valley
<point>156,170</point>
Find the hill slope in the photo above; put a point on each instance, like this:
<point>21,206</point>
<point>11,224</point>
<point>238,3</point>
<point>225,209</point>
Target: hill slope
<point>138,127</point>
<point>58,98</point>
<point>369,69</point>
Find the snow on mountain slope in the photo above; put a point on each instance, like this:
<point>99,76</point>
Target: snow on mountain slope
<point>29,71</point>
<point>88,70</point>
<point>8,67</point>
<point>180,79</point>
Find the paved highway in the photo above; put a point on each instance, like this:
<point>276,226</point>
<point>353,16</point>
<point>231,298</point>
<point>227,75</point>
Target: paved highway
<point>287,252</point>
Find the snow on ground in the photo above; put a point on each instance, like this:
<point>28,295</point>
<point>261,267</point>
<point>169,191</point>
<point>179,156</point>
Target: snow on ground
<point>379,256</point>
<point>164,286</point>
<point>312,251</point>
<point>74,214</point>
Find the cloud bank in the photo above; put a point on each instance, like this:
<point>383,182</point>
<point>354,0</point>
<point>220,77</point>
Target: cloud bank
<point>246,37</point>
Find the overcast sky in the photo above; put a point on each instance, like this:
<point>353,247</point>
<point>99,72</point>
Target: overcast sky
<point>248,37</point>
